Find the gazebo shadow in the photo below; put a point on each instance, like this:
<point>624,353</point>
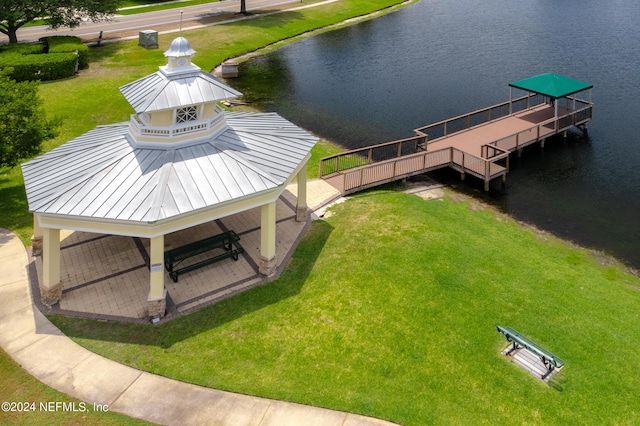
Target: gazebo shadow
<point>287,285</point>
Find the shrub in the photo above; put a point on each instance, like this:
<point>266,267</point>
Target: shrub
<point>53,66</point>
<point>68,44</point>
<point>20,49</point>
<point>26,61</point>
<point>23,125</point>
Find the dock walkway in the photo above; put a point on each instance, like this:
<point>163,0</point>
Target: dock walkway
<point>478,143</point>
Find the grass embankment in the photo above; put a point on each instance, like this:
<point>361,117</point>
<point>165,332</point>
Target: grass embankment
<point>21,388</point>
<point>389,307</point>
<point>92,98</point>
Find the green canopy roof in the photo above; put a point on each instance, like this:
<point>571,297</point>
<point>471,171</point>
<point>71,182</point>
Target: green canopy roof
<point>552,85</point>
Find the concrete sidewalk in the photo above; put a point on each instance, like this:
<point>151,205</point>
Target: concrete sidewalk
<point>54,359</point>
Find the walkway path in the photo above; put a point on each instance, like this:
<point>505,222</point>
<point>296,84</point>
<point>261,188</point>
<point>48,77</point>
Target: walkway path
<point>54,359</point>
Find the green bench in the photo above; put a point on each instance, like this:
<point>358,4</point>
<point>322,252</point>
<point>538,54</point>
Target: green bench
<point>226,241</point>
<point>519,341</point>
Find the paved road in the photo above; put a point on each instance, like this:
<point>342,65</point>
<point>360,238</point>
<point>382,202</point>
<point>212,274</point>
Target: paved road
<point>193,15</point>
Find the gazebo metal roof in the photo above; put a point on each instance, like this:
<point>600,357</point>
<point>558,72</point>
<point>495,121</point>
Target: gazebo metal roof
<point>159,91</point>
<point>553,85</point>
<point>101,175</point>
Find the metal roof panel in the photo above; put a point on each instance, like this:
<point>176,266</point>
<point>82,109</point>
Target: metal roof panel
<point>178,192</point>
<point>158,91</point>
<point>210,171</point>
<point>101,175</point>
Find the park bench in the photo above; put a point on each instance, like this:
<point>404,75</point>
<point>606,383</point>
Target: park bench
<point>226,240</point>
<point>550,361</point>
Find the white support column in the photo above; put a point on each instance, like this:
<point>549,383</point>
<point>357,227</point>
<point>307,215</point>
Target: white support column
<point>301,205</point>
<point>50,287</point>
<point>157,299</point>
<point>268,239</point>
<point>36,239</point>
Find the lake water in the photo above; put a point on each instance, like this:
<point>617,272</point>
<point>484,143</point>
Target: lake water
<point>376,81</point>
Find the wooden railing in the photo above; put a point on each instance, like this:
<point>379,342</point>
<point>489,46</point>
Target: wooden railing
<point>390,170</point>
<point>493,153</point>
<point>547,128</point>
<point>485,168</point>
<point>369,155</point>
<point>475,118</point>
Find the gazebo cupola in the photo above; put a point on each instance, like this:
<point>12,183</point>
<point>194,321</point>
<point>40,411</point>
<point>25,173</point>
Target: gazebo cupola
<point>179,56</point>
<point>177,105</point>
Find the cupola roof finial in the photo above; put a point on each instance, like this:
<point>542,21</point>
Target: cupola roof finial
<point>180,47</point>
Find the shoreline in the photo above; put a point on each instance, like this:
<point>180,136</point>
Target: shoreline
<point>294,39</point>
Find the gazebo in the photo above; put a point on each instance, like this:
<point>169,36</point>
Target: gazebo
<point>553,86</point>
<point>180,161</point>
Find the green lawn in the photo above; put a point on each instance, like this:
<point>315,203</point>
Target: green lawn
<point>388,308</point>
<point>19,387</point>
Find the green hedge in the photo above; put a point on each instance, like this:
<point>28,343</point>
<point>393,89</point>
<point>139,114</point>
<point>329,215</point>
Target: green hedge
<point>66,44</point>
<point>53,66</point>
<point>20,49</point>
<point>55,58</point>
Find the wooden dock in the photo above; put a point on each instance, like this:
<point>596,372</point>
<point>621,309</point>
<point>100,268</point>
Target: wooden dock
<point>478,143</point>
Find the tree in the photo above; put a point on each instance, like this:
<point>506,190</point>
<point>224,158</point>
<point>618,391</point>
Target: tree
<point>55,13</point>
<point>23,125</point>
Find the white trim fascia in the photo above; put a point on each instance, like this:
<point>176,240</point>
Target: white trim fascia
<point>166,226</point>
<point>188,69</point>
